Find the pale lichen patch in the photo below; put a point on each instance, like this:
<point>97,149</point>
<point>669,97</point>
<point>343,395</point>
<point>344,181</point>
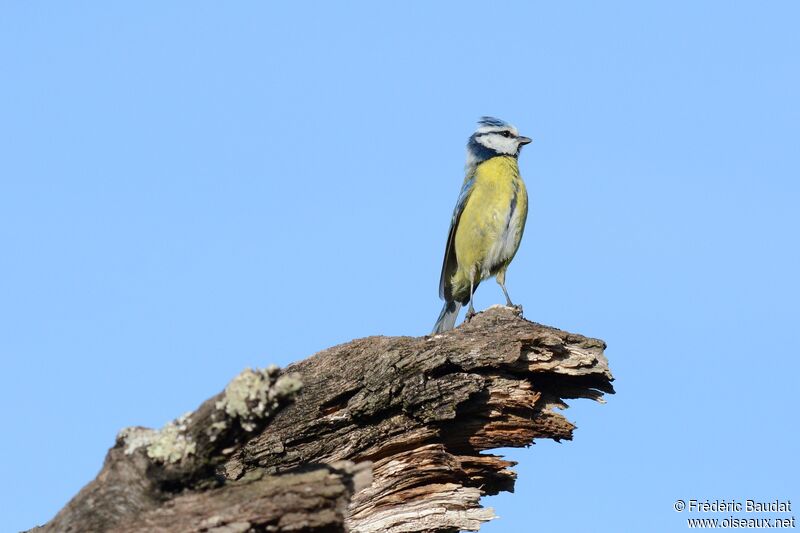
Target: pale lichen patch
<point>215,429</point>
<point>135,438</point>
<point>251,397</point>
<point>169,444</point>
<point>256,394</point>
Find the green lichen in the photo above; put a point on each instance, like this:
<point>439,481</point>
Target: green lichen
<point>255,395</point>
<point>216,429</point>
<point>251,397</point>
<point>169,444</point>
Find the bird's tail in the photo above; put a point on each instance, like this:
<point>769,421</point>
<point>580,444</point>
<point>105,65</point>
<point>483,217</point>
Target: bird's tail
<point>447,318</point>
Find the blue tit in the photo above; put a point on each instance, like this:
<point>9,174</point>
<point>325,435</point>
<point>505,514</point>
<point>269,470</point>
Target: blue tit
<point>488,220</point>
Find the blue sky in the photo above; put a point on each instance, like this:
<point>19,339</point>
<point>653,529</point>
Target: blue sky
<point>190,189</point>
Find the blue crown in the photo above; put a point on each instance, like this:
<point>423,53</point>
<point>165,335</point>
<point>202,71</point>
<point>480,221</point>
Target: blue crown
<point>491,121</point>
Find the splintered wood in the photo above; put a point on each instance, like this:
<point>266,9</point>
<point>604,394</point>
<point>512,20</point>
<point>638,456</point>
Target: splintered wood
<point>423,410</point>
<point>383,434</point>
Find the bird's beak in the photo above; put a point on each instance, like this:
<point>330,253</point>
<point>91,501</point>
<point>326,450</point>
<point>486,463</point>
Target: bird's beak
<point>524,140</point>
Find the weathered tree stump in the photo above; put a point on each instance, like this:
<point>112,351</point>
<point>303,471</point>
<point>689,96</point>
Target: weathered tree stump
<point>387,434</point>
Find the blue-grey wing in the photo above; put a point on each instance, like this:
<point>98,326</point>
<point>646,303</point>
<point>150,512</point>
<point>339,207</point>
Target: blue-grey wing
<point>450,263</point>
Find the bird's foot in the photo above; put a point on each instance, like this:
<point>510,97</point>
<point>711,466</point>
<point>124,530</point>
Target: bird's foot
<point>516,308</point>
<point>470,313</point>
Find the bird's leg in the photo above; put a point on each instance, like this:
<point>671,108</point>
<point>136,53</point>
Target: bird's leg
<point>470,309</point>
<point>508,300</point>
<point>501,280</point>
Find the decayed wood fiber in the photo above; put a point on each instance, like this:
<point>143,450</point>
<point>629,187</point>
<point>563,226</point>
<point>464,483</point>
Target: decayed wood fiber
<point>423,409</point>
<point>388,434</point>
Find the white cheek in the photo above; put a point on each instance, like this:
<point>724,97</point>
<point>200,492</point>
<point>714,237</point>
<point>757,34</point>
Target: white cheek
<point>500,144</point>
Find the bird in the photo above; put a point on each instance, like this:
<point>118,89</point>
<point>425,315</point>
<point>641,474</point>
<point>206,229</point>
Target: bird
<point>488,220</point>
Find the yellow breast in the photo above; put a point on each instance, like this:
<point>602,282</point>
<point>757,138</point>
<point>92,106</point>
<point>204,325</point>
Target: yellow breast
<point>491,224</point>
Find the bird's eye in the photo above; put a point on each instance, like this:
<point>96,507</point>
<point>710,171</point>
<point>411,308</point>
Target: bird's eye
<point>505,133</point>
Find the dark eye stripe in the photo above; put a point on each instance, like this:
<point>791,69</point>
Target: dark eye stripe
<point>504,133</point>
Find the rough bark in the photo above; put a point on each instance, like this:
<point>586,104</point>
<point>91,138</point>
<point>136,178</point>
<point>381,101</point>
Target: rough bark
<point>415,413</point>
